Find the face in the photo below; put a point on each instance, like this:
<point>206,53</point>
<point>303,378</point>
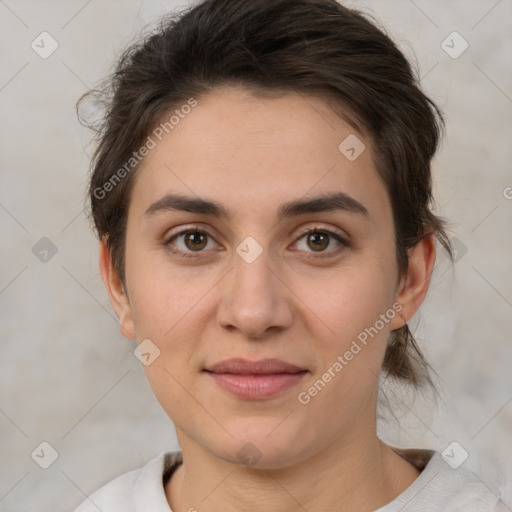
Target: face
<point>284,251</point>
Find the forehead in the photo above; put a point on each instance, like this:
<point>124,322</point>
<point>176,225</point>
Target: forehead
<point>251,152</point>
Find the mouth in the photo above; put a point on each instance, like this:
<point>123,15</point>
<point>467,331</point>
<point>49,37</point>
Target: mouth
<point>255,380</point>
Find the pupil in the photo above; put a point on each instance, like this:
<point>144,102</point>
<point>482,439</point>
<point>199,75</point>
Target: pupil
<point>195,240</point>
<point>321,238</point>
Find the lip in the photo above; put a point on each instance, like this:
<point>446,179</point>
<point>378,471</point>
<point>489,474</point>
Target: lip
<point>242,366</point>
<point>255,380</point>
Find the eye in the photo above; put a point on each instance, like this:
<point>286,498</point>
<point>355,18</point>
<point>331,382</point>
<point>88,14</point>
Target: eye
<point>319,240</point>
<point>189,241</point>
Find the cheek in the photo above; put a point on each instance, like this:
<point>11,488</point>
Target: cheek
<point>171,306</point>
<point>168,310</point>
<point>355,307</point>
<point>163,295</point>
<point>347,300</point>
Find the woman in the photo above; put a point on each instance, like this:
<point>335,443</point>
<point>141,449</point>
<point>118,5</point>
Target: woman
<point>262,194</point>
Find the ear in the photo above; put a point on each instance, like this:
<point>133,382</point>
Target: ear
<point>414,284</point>
<point>116,292</point>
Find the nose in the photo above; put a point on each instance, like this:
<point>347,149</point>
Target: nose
<point>255,299</point>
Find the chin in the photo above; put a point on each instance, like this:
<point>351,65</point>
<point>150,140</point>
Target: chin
<point>260,446</point>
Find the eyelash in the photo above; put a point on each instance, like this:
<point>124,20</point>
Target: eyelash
<point>310,231</point>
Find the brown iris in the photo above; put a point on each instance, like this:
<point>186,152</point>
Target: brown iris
<point>318,241</point>
<point>195,240</point>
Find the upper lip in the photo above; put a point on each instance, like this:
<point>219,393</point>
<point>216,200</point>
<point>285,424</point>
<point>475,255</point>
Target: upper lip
<point>261,367</point>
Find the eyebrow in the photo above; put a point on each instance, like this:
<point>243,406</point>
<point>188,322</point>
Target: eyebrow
<point>323,203</point>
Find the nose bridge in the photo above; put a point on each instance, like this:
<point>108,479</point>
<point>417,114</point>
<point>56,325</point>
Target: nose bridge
<point>252,273</point>
<point>254,299</point>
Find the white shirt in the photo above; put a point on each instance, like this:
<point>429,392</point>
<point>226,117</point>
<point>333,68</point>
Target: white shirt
<point>438,488</point>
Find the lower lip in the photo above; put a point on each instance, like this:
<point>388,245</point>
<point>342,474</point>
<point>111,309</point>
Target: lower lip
<point>256,387</point>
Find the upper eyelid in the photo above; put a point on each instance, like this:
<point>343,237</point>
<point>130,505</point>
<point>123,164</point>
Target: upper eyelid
<point>187,229</point>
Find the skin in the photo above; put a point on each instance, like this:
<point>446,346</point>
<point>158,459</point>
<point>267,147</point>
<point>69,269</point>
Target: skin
<point>294,302</point>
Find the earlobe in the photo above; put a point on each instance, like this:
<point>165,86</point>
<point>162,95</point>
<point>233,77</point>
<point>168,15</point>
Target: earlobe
<point>116,292</point>
<point>415,282</point>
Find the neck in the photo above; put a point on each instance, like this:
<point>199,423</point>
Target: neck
<point>345,477</point>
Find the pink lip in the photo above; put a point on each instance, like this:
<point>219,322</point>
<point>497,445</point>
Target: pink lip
<point>255,380</point>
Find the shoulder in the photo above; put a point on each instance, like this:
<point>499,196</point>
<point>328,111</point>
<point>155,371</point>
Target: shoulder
<point>136,491</point>
<point>443,487</point>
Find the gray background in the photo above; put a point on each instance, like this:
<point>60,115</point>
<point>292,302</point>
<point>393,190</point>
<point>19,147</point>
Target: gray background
<point>67,376</point>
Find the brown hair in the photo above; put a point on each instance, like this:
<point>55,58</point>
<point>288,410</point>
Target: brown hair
<point>308,46</point>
